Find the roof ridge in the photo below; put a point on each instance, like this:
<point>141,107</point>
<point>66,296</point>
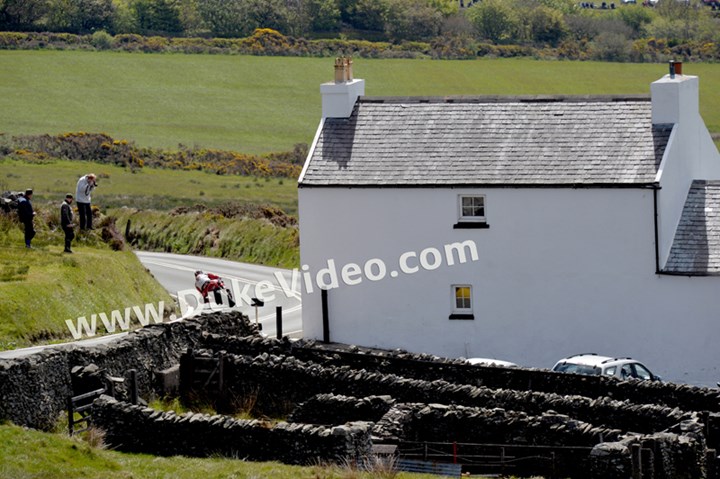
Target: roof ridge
<point>505,99</point>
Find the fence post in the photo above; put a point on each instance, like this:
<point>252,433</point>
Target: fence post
<point>71,414</point>
<point>706,421</point>
<point>711,463</point>
<point>221,371</point>
<point>325,318</point>
<point>133,387</point>
<point>502,461</point>
<point>278,322</point>
<point>186,373</point>
<point>647,458</point>
<point>127,230</point>
<point>455,449</point>
<point>636,462</point>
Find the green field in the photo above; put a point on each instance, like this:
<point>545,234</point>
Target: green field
<point>148,188</point>
<point>28,454</point>
<point>260,104</point>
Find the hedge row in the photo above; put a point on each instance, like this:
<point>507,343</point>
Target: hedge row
<point>266,41</point>
<point>100,147</point>
<point>263,41</point>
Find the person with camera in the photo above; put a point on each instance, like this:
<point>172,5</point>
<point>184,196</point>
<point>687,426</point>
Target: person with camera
<point>85,185</point>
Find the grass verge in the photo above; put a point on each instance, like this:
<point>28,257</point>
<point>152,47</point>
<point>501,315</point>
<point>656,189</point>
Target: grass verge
<point>43,287</point>
<point>207,234</point>
<point>260,104</point>
<point>28,454</point>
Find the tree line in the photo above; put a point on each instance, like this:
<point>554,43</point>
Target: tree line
<point>608,30</point>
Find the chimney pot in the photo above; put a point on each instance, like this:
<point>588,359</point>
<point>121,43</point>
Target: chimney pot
<point>675,68</point>
<point>348,68</point>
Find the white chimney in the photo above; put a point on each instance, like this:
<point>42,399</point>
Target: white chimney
<point>675,97</point>
<point>338,97</point>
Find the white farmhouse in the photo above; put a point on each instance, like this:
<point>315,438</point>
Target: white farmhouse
<point>520,228</point>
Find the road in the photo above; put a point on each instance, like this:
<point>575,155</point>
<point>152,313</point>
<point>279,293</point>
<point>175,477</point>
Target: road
<point>175,273</point>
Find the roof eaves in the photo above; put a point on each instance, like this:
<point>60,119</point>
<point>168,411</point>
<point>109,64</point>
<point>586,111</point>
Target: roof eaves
<point>617,185</point>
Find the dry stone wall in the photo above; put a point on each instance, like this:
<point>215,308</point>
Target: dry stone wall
<point>270,376</point>
<point>141,429</point>
<point>331,409</point>
<point>430,368</point>
<point>34,389</point>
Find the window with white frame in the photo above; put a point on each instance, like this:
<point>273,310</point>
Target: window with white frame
<point>472,208</point>
<point>462,307</point>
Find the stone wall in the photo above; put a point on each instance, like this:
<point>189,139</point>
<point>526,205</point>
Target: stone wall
<point>430,368</point>
<point>141,429</point>
<point>34,389</point>
<point>331,409</point>
<point>269,376</point>
<point>574,447</point>
<point>667,455</point>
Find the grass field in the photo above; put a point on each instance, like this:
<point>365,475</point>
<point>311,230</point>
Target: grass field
<point>261,104</point>
<point>28,454</point>
<point>148,188</point>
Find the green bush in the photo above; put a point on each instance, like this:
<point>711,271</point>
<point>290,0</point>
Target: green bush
<point>101,40</point>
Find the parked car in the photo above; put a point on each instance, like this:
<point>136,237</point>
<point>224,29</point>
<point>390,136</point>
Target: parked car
<point>592,364</point>
<point>491,362</point>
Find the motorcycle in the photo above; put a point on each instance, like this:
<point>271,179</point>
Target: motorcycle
<point>216,288</point>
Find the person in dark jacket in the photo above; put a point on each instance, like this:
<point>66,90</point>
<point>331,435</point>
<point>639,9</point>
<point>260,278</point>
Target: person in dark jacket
<point>26,214</point>
<point>66,221</point>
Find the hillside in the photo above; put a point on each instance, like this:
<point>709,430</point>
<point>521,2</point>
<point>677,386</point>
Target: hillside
<point>42,288</point>
<point>148,188</point>
<point>253,104</point>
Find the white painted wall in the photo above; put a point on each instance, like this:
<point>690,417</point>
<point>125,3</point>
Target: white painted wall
<point>690,153</point>
<point>560,271</point>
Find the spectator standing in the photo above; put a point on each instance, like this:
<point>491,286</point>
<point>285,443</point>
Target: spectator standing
<point>85,185</point>
<point>66,221</point>
<point>26,215</point>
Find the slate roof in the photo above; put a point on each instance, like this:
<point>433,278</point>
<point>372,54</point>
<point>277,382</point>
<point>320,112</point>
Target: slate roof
<point>696,247</point>
<point>493,141</point>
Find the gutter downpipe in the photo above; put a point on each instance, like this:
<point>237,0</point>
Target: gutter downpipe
<point>656,187</point>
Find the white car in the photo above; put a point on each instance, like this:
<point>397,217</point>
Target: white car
<point>491,362</point>
<point>592,364</point>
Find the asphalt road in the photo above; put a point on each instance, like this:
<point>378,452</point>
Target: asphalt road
<point>176,274</point>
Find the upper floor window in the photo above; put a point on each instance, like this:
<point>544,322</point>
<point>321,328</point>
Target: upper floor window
<point>471,212</point>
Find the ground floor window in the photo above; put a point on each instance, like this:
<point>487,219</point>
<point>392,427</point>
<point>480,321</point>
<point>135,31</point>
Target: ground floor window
<point>462,302</point>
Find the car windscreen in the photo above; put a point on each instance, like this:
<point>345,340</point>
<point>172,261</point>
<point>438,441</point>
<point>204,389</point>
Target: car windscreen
<point>576,369</point>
